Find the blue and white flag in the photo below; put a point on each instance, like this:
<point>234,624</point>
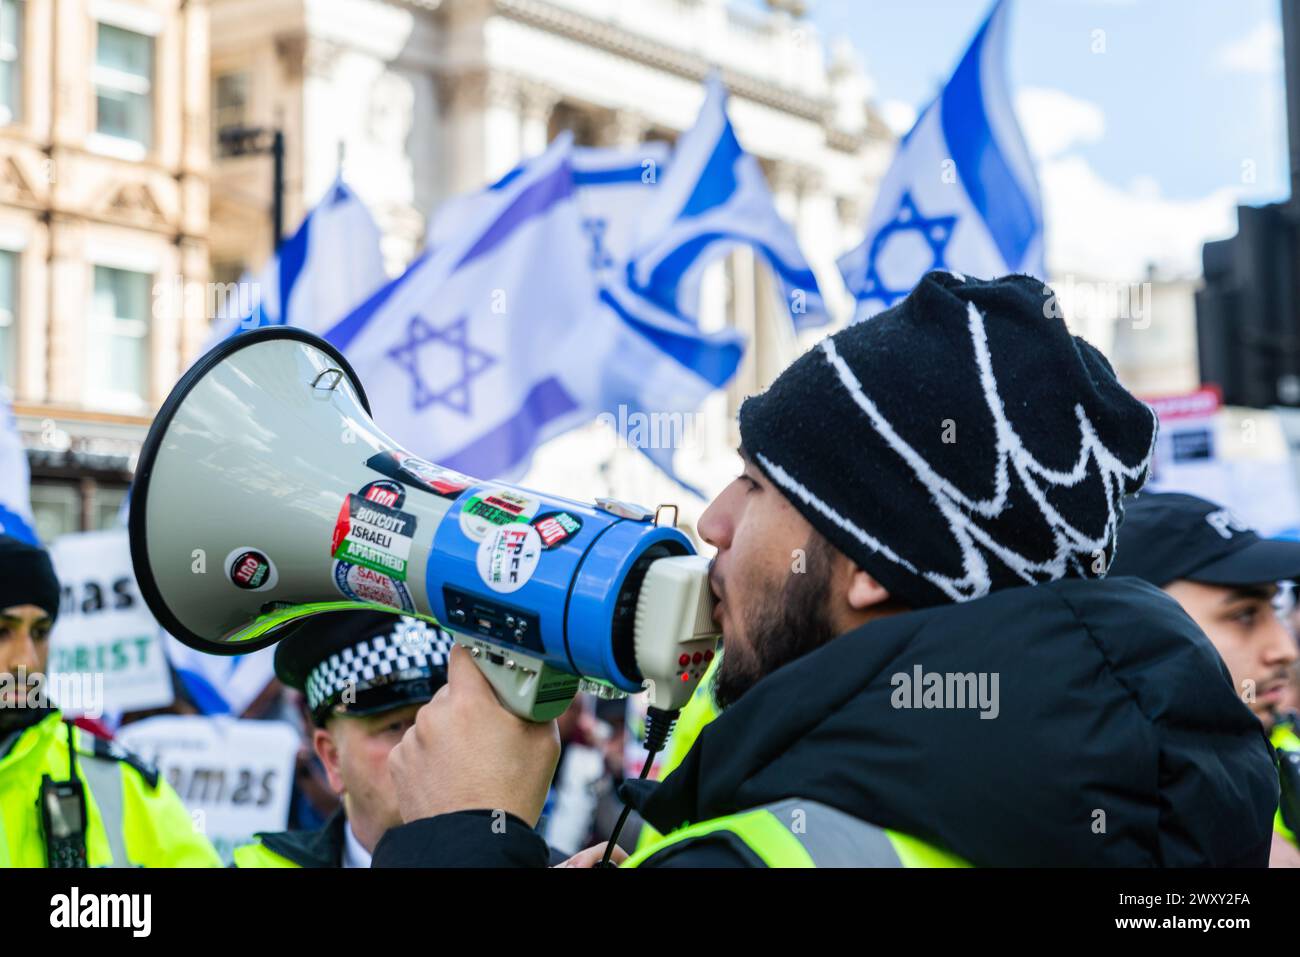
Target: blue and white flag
<point>331,265</point>
<point>16,519</point>
<point>634,361</point>
<point>713,198</point>
<point>220,684</point>
<point>658,370</point>
<point>961,194</point>
<point>614,187</point>
<point>483,348</point>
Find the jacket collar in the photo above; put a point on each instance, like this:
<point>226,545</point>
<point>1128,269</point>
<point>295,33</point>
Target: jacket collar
<point>322,847</point>
<point>21,741</point>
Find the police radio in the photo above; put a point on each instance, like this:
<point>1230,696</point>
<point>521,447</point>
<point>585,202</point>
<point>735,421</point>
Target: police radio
<point>62,809</point>
<point>265,493</point>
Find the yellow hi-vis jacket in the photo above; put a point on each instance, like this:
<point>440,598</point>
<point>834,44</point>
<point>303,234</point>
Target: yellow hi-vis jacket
<point>133,819</point>
<point>1284,738</point>
<point>699,711</point>
<point>799,833</point>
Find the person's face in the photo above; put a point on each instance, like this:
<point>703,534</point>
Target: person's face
<point>354,751</point>
<point>24,644</point>
<point>781,589</point>
<point>1248,634</point>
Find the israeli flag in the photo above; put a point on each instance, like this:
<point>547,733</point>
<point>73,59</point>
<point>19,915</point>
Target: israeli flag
<point>615,187</point>
<point>16,519</point>
<point>713,198</point>
<point>636,361</point>
<point>658,370</point>
<point>961,194</point>
<point>331,265</point>
<point>484,347</point>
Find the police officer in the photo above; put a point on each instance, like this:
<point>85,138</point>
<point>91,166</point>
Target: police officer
<point>67,798</point>
<point>1226,578</point>
<point>365,674</point>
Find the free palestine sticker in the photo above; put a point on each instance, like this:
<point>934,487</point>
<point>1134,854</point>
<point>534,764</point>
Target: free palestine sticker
<point>508,557</point>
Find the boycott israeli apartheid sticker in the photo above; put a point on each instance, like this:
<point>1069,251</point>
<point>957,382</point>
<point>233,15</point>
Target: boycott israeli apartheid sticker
<point>492,507</point>
<point>508,558</point>
<point>373,536</point>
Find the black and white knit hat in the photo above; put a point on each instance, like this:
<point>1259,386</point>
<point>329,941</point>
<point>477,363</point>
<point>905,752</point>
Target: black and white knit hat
<point>361,662</point>
<point>958,443</point>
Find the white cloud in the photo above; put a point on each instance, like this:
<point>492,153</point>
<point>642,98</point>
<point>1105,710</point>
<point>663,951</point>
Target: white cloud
<point>1054,121</point>
<point>899,115</point>
<point>1102,230</point>
<point>1259,51</point>
<point>1099,230</point>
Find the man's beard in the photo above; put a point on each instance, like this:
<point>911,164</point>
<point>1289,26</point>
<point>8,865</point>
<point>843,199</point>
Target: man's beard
<point>782,625</point>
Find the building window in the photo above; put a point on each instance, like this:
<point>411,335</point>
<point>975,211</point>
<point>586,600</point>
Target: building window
<point>106,507</point>
<point>11,44</point>
<point>56,507</point>
<point>118,344</point>
<point>124,85</point>
<point>8,317</point>
<point>229,102</point>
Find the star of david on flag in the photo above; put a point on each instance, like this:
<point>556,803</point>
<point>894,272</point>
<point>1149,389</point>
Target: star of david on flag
<point>961,193</point>
<point>469,362</point>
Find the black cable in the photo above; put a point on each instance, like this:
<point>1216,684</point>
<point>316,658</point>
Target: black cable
<point>658,725</point>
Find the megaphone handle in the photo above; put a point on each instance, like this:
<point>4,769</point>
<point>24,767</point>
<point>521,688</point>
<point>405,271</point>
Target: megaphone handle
<point>525,686</point>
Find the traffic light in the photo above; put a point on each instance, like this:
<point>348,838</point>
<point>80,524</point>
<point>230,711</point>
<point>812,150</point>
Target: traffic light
<point>1248,313</point>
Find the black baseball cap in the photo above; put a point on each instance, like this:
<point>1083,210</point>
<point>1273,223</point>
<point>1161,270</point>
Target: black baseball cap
<point>1167,536</point>
<point>363,662</point>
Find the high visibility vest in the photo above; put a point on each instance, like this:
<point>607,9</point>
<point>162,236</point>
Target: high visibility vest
<point>699,711</point>
<point>133,819</point>
<point>799,833</point>
<point>1284,738</point>
<point>259,855</point>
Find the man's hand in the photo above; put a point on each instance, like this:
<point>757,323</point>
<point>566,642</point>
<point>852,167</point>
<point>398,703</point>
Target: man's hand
<point>466,752</point>
<point>593,856</point>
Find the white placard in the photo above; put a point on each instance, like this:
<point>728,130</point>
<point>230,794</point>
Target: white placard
<point>105,635</point>
<point>234,775</point>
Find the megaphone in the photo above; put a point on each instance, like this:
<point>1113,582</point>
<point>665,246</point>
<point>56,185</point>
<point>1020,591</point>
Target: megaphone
<point>266,494</point>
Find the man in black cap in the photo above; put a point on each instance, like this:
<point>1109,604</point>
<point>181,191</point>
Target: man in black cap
<point>67,798</point>
<point>1226,578</point>
<point>922,666</point>
<point>364,674</point>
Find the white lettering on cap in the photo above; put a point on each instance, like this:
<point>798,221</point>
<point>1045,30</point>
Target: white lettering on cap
<point>1225,523</point>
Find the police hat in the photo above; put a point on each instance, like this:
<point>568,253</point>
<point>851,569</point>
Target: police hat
<point>363,662</point>
<point>1169,536</point>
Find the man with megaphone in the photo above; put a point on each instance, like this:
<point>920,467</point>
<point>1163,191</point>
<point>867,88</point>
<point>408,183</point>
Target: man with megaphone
<point>924,663</point>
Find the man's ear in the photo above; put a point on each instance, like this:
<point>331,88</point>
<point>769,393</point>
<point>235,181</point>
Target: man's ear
<point>328,752</point>
<point>865,592</point>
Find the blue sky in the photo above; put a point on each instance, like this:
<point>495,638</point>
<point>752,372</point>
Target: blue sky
<point>1175,108</point>
<point>1164,130</point>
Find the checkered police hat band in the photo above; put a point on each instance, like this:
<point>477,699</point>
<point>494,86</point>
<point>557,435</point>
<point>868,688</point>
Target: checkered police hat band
<point>407,652</point>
